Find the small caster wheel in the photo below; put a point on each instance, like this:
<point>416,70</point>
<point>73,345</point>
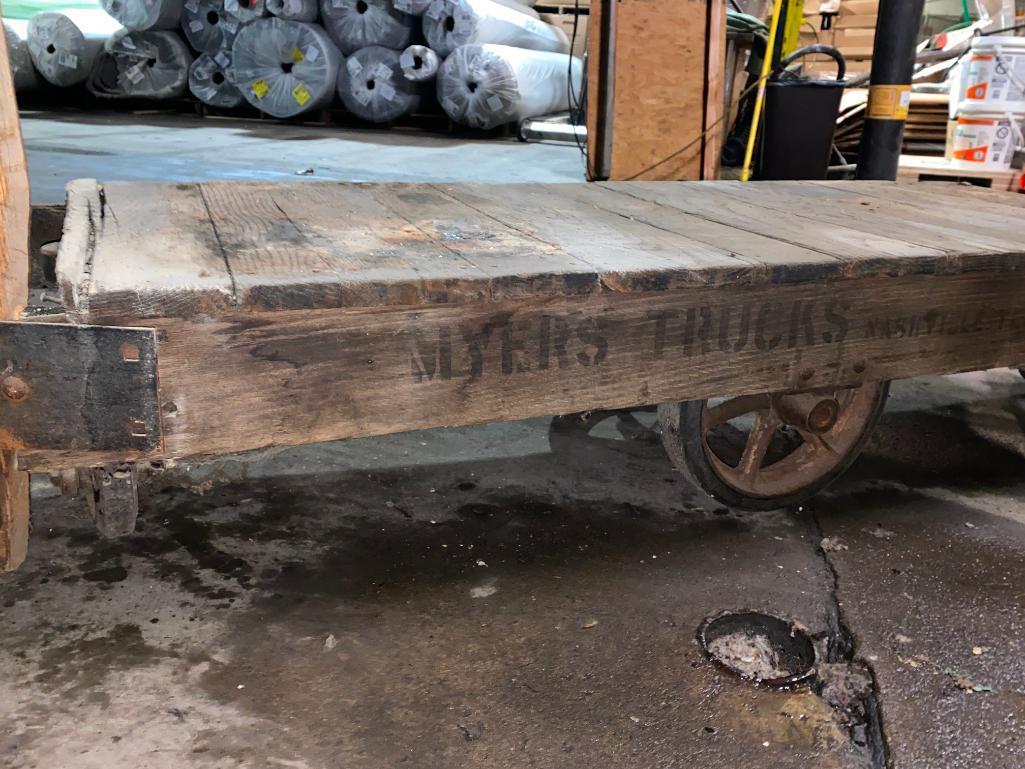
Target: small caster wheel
<point>765,452</point>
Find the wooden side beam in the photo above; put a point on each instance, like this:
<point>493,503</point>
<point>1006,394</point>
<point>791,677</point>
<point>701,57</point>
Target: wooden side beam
<point>14,228</point>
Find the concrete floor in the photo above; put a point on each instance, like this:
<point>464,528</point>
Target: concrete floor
<point>483,598</point>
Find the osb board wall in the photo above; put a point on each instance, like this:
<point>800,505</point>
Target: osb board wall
<point>667,88</point>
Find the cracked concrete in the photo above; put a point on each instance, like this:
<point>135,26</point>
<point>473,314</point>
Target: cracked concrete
<point>481,598</point>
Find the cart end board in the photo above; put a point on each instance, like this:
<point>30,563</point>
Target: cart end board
<point>14,221</point>
<point>298,313</point>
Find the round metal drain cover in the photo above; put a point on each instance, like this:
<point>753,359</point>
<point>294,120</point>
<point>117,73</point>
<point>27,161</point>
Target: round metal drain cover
<point>759,647</point>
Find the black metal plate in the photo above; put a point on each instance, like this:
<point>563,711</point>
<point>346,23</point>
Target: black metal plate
<point>88,387</point>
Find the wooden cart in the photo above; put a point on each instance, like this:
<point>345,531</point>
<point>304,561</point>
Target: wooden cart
<point>215,318</point>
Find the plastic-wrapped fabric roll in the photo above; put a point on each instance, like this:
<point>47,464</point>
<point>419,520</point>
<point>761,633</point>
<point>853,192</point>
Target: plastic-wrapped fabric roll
<point>137,15</point>
<point>22,71</point>
<point>246,10</point>
<point>488,85</point>
<point>355,24</point>
<point>449,24</point>
<point>419,63</point>
<point>516,5</point>
<point>212,80</point>
<point>285,68</point>
<point>294,10</point>
<point>412,7</point>
<point>152,64</point>
<point>207,26</point>
<point>64,45</point>
<point>372,87</point>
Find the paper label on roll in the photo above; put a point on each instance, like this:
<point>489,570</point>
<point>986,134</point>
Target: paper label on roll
<point>436,9</point>
<point>382,71</point>
<point>387,91</point>
<point>195,25</point>
<point>301,94</point>
<point>230,24</point>
<point>362,96</point>
<point>354,67</point>
<point>403,5</point>
<point>449,105</point>
<point>494,103</point>
<point>312,53</point>
<point>222,58</point>
<point>259,88</point>
<point>68,60</point>
<point>134,74</point>
<point>231,6</point>
<point>407,60</point>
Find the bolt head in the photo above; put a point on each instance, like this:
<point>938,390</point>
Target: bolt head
<point>14,388</point>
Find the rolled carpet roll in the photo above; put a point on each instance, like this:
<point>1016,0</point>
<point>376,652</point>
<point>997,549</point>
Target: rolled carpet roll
<point>355,24</point>
<point>140,15</point>
<point>449,24</point>
<point>294,10</point>
<point>211,80</point>
<point>207,26</point>
<point>285,68</point>
<point>22,71</point>
<point>64,45</point>
<point>151,64</point>
<point>246,10</point>
<point>488,85</point>
<point>419,63</point>
<point>372,87</point>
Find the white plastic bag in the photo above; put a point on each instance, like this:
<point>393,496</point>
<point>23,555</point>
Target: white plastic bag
<point>419,63</point>
<point>488,85</point>
<point>449,24</point>
<point>285,68</point>
<point>145,14</point>
<point>355,24</point>
<point>212,80</point>
<point>207,26</point>
<point>153,64</point>
<point>294,10</point>
<point>372,87</point>
<point>64,45</point>
<point>22,71</point>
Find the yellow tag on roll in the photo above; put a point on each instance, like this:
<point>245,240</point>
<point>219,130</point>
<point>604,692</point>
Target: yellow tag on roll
<point>888,102</point>
<point>301,94</point>
<point>259,88</point>
<point>297,55</point>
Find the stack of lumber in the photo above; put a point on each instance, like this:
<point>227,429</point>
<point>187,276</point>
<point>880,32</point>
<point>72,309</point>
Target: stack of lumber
<point>925,131</point>
<point>852,32</point>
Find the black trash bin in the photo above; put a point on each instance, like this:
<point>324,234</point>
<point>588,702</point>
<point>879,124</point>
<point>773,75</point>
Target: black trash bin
<point>800,118</point>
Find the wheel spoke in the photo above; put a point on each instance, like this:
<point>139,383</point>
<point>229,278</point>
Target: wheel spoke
<point>723,412</point>
<point>817,440</point>
<point>757,445</point>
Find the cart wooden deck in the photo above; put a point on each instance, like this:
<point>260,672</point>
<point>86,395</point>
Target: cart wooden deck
<point>304,312</point>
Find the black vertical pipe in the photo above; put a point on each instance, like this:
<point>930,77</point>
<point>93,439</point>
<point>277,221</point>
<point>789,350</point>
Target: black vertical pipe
<point>893,61</point>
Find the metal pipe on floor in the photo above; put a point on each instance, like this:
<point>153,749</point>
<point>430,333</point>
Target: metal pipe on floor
<point>893,62</point>
<point>552,131</point>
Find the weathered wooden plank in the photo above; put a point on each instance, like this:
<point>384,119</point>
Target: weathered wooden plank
<point>865,251</point>
<point>283,378</point>
<point>518,264</point>
<point>813,204</point>
<point>138,250</point>
<point>970,209</point>
<point>629,255</point>
<point>15,209</point>
<point>331,245</point>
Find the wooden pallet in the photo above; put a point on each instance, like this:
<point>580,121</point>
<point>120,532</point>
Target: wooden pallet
<point>920,168</point>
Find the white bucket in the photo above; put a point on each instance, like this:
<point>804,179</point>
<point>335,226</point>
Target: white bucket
<point>994,74</point>
<point>985,140</point>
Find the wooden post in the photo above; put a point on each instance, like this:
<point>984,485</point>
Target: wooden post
<point>15,209</point>
<point>655,70</point>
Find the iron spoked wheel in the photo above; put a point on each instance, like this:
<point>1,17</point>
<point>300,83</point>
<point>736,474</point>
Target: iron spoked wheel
<point>763,452</point>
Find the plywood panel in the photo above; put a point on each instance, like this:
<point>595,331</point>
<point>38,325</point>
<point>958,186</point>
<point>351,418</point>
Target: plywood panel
<point>666,89</point>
